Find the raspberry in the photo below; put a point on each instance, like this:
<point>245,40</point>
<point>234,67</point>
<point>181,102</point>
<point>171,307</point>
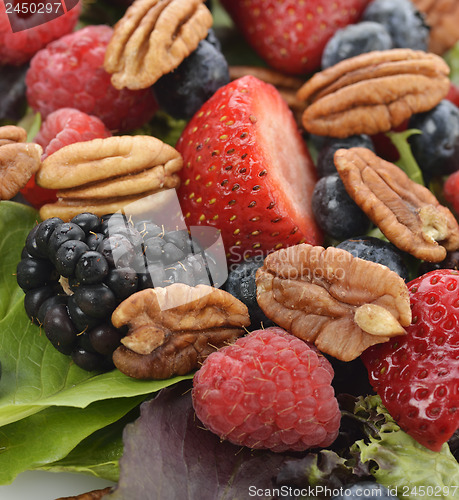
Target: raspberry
<point>268,390</point>
<point>69,73</point>
<point>66,126</point>
<point>62,127</point>
<point>18,48</point>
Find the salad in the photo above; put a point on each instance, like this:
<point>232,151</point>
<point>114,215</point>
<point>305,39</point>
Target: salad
<point>67,407</point>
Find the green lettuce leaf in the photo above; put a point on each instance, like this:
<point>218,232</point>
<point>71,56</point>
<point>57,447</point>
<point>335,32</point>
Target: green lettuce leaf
<point>452,58</point>
<point>407,161</point>
<point>52,434</point>
<point>400,462</point>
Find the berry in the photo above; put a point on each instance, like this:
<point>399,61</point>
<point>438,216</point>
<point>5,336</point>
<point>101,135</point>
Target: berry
<point>18,48</point>
<point>376,250</point>
<point>241,284</point>
<point>416,374</point>
<point>325,162</point>
<point>69,73</point>
<point>183,91</point>
<point>268,390</point>
<point>436,149</point>
<point>96,261</point>
<point>451,261</point>
<point>451,191</point>
<point>354,40</point>
<point>290,36</point>
<point>365,490</point>
<point>247,171</point>
<point>62,127</point>
<point>402,20</point>
<point>453,94</point>
<point>335,211</point>
<point>66,126</point>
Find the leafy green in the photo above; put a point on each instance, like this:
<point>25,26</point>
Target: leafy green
<point>99,453</point>
<point>401,462</point>
<point>452,58</point>
<point>407,161</point>
<point>50,435</point>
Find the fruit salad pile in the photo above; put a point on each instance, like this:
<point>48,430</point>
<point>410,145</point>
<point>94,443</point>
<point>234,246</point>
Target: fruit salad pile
<point>230,235</point>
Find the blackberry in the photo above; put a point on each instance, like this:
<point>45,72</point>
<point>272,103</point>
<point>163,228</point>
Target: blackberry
<point>13,92</point>
<point>74,274</point>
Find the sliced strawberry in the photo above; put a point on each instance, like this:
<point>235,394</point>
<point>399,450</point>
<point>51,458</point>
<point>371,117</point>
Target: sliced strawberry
<point>290,35</point>
<point>247,171</point>
<point>417,375</point>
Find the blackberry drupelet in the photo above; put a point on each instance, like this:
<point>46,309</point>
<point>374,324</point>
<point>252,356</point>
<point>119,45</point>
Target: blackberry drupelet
<point>74,274</point>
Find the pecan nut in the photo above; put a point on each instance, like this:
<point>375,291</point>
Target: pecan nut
<point>104,175</point>
<point>173,329</point>
<point>11,134</point>
<point>408,214</point>
<point>18,161</point>
<point>373,92</point>
<point>341,303</point>
<point>153,38</point>
<point>442,16</point>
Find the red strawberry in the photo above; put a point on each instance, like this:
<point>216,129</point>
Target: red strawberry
<point>291,35</point>
<point>451,191</point>
<point>417,375</point>
<point>247,171</point>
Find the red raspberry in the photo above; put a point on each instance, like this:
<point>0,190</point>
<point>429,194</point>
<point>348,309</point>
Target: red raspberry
<point>69,73</point>
<point>63,127</point>
<point>18,48</point>
<point>66,126</point>
<point>268,390</point>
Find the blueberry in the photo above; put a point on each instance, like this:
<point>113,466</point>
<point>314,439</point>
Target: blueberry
<point>325,163</point>
<point>365,491</point>
<point>355,39</point>
<point>376,250</point>
<point>183,91</point>
<point>436,150</point>
<point>335,211</point>
<point>241,284</point>
<point>402,20</point>
<point>87,221</point>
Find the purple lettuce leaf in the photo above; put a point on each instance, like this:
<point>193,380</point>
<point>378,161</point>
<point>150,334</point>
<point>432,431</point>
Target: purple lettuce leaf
<point>168,454</point>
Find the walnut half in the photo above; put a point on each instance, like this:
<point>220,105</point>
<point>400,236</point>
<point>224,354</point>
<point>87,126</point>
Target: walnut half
<point>173,329</point>
<point>341,303</point>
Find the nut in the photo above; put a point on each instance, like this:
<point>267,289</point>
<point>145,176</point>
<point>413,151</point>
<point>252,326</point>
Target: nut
<point>173,329</point>
<point>153,38</point>
<point>18,162</point>
<point>103,175</point>
<point>11,134</point>
<point>442,16</point>
<point>341,303</point>
<point>373,92</point>
<point>407,213</point>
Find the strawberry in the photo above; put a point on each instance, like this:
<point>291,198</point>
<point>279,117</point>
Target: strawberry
<point>417,375</point>
<point>453,94</point>
<point>290,35</point>
<point>247,171</point>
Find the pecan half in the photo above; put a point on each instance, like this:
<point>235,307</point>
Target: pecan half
<point>442,16</point>
<point>408,214</point>
<point>103,175</point>
<point>18,162</point>
<point>341,303</point>
<point>11,134</point>
<point>373,92</point>
<point>173,329</point>
<point>153,38</point>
